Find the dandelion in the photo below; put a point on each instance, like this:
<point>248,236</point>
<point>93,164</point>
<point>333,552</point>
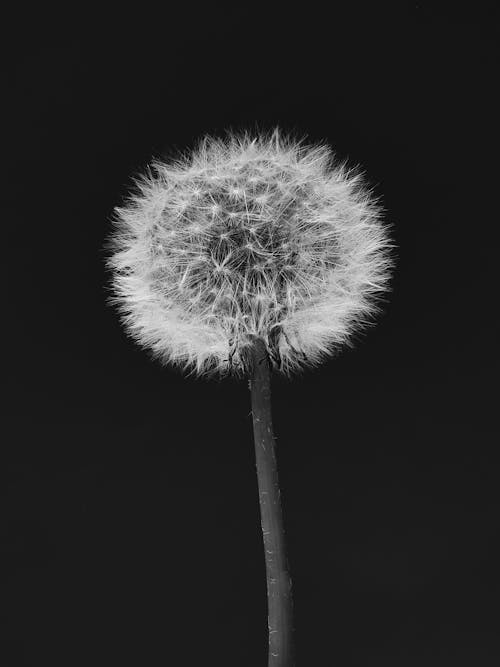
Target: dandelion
<point>245,256</point>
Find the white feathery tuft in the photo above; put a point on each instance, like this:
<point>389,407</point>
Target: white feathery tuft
<point>244,237</point>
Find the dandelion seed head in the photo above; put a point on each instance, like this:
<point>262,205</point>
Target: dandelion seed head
<point>249,236</point>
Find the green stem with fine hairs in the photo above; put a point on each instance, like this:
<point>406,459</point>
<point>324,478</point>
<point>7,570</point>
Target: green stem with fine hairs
<point>279,584</point>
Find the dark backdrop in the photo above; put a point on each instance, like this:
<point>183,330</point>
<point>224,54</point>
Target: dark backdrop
<point>129,515</point>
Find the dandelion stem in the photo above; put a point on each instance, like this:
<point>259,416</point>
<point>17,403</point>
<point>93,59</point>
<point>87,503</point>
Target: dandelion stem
<point>279,584</point>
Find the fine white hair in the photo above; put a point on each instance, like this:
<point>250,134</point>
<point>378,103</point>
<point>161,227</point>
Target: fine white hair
<point>248,236</point>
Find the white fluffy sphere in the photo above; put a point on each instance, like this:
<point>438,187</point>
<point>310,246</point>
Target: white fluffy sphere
<point>244,237</point>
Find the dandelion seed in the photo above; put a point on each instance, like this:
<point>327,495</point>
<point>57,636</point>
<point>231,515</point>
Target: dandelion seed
<point>320,204</point>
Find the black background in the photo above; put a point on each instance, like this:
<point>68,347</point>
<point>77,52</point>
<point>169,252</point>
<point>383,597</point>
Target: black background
<point>129,515</point>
